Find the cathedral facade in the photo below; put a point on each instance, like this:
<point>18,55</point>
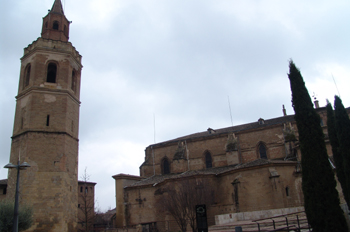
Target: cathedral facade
<point>250,167</point>
<point>46,126</point>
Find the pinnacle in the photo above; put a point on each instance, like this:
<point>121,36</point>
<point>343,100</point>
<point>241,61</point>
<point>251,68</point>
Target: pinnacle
<point>57,7</point>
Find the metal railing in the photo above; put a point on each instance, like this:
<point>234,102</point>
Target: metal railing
<point>287,225</point>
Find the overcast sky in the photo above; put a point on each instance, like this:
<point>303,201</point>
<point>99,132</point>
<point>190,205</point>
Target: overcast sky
<point>172,65</point>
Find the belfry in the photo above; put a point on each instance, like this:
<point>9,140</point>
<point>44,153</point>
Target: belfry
<point>46,126</point>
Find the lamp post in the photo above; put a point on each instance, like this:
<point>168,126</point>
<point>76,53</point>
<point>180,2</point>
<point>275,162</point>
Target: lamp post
<point>19,167</point>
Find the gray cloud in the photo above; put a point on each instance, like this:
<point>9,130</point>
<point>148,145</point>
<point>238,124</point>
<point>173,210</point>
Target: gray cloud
<point>178,61</point>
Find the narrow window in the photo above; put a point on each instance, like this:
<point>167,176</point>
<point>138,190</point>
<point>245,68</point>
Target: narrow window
<point>262,151</point>
<point>81,189</point>
<point>22,123</point>
<point>27,75</point>
<point>46,24</point>
<point>86,189</point>
<point>287,191</point>
<point>235,194</point>
<point>47,120</point>
<point>55,25</point>
<point>78,205</point>
<point>51,73</point>
<point>65,29</point>
<point>4,190</point>
<point>74,80</point>
<point>208,160</point>
<point>165,166</point>
<point>72,126</point>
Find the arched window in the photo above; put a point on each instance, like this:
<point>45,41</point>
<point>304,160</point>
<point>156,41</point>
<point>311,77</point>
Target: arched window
<point>287,191</point>
<point>262,151</point>
<point>165,166</point>
<point>51,73</point>
<point>74,80</point>
<point>27,75</point>
<point>55,25</point>
<point>208,160</point>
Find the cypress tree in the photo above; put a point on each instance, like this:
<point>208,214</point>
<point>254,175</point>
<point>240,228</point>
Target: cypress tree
<point>338,159</point>
<point>342,126</point>
<point>321,199</point>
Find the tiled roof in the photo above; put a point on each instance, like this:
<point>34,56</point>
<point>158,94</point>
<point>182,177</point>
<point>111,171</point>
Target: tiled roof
<point>153,180</point>
<point>240,128</point>
<point>234,129</point>
<point>127,176</point>
<point>3,182</point>
<point>83,182</point>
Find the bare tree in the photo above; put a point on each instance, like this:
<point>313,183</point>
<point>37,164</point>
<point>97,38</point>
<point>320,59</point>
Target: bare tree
<point>86,206</point>
<point>201,193</point>
<point>181,198</point>
<point>175,203</point>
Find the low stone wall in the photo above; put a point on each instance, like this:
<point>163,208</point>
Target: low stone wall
<point>254,215</point>
<point>118,230</point>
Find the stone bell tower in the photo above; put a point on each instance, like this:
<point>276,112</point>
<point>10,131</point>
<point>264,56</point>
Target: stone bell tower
<point>46,126</point>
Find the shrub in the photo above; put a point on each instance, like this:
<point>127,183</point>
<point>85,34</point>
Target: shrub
<point>25,216</point>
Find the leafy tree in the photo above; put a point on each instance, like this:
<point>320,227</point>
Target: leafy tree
<point>321,199</point>
<point>342,125</point>
<point>337,156</point>
<point>25,216</point>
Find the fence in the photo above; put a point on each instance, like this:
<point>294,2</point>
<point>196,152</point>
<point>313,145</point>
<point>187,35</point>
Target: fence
<point>159,226</point>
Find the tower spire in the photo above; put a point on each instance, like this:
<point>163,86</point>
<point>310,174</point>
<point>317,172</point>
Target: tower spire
<point>55,24</point>
<point>57,7</point>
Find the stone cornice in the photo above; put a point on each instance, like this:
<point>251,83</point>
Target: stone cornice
<point>52,46</point>
<point>35,89</point>
<point>44,132</point>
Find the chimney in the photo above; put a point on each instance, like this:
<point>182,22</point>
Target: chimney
<point>315,101</point>
<point>316,104</point>
<point>284,111</point>
<point>211,131</point>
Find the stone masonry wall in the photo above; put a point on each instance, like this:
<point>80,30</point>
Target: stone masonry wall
<point>271,137</point>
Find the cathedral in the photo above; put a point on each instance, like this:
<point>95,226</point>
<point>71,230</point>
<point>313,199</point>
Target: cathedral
<point>45,133</point>
<point>252,168</point>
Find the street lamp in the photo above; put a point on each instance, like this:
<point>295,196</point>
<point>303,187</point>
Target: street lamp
<point>19,167</point>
